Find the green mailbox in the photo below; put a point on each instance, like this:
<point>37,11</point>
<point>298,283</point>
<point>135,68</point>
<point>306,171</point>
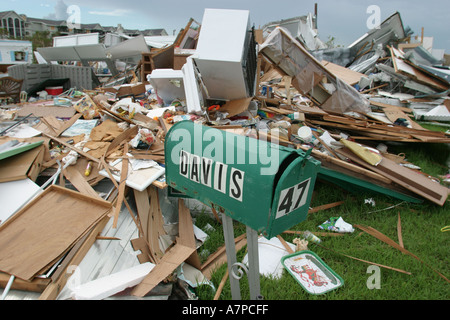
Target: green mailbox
<point>265,186</point>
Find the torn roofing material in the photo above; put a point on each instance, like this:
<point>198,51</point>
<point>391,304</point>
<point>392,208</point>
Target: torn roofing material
<point>390,29</point>
<point>302,28</point>
<point>308,74</point>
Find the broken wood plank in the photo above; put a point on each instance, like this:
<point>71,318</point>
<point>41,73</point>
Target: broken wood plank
<point>150,215</point>
<point>325,207</point>
<point>399,231</point>
<point>405,177</point>
<point>285,245</point>
<point>380,236</point>
<point>186,233</point>
<point>347,75</point>
<point>221,285</point>
<point>403,67</point>
<point>79,182</point>
<point>171,260</point>
<point>365,261</point>
<point>37,285</point>
<point>122,185</point>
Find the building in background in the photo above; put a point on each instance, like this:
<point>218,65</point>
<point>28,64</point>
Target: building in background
<point>12,25</point>
<point>17,26</point>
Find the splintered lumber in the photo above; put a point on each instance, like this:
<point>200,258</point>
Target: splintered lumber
<point>362,152</point>
<point>375,130</point>
<point>184,250</point>
<point>45,229</point>
<point>77,150</point>
<point>346,167</point>
<point>365,261</point>
<point>79,182</point>
<point>122,185</point>
<point>325,207</point>
<point>186,233</point>
<point>403,67</point>
<point>171,260</point>
<point>121,138</point>
<point>221,285</point>
<point>407,178</point>
<point>150,216</point>
<point>399,231</point>
<point>380,236</point>
<point>37,285</point>
<point>347,75</point>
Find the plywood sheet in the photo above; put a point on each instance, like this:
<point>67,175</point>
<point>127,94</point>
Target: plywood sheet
<point>45,229</point>
<point>348,76</point>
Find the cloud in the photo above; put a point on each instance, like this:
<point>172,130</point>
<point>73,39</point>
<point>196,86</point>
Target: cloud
<point>113,13</point>
<point>60,12</point>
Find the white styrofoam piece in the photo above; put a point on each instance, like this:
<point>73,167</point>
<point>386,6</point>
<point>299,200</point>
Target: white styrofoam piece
<point>14,194</point>
<point>270,253</point>
<point>109,285</point>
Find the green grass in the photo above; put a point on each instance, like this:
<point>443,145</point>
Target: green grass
<point>421,233</point>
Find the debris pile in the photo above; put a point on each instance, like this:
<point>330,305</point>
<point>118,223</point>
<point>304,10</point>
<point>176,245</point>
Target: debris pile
<point>83,170</point>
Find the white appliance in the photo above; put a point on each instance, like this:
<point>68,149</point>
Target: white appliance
<point>226,54</point>
<point>184,84</point>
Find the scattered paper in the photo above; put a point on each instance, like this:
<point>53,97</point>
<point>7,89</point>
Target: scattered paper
<point>337,224</point>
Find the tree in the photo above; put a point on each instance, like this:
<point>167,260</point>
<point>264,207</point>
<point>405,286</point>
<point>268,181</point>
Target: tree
<point>331,43</point>
<point>3,33</point>
<point>40,39</point>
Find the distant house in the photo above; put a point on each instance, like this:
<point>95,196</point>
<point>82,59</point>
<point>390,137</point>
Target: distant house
<point>21,26</point>
<point>154,32</point>
<point>34,25</point>
<point>12,24</point>
<point>89,28</point>
<point>59,26</point>
<point>14,52</point>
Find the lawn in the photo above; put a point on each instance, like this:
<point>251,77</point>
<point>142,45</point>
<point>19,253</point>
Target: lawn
<point>427,267</point>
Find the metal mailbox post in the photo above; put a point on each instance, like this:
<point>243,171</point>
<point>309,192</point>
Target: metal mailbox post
<point>263,185</point>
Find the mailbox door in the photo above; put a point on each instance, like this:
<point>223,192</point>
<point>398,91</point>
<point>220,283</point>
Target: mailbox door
<point>292,195</point>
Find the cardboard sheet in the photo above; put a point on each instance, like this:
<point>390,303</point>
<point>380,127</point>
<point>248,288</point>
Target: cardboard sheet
<point>21,166</point>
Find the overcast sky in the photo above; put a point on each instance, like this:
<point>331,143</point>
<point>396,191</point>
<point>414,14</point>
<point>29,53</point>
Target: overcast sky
<point>345,20</point>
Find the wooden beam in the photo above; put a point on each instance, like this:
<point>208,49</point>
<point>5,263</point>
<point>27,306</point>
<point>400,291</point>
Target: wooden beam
<point>186,232</point>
